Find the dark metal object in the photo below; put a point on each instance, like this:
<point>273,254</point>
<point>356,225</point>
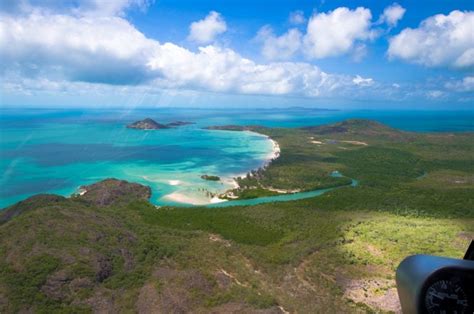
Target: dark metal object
<point>431,284</point>
<point>470,252</point>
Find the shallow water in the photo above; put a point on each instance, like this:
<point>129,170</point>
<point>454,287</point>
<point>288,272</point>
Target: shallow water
<point>279,198</point>
<point>52,157</point>
<point>56,151</point>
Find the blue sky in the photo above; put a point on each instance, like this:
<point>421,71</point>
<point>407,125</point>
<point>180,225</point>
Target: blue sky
<point>334,54</point>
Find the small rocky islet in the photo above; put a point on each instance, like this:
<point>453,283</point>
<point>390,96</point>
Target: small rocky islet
<point>150,124</point>
<point>210,177</point>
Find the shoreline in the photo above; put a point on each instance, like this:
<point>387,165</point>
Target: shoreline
<point>182,198</point>
<point>273,155</point>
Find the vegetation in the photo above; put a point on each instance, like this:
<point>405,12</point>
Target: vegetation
<point>210,178</point>
<point>336,252</point>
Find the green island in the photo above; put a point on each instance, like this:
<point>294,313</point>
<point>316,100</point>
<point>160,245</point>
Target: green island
<point>110,250</point>
<point>210,177</point>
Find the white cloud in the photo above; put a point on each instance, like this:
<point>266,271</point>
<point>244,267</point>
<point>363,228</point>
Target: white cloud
<point>335,33</point>
<point>69,54</point>
<point>439,41</point>
<point>109,50</point>
<point>100,49</point>
<point>110,8</point>
<point>279,47</point>
<point>76,7</point>
<point>360,81</point>
<point>223,70</point>
<point>464,85</point>
<point>359,52</point>
<point>205,31</point>
<point>392,14</point>
<point>297,17</point>
<point>435,94</point>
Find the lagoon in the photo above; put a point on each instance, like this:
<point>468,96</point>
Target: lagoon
<point>57,151</point>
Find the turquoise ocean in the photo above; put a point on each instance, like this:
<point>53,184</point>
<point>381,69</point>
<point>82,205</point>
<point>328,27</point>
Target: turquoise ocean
<point>57,151</point>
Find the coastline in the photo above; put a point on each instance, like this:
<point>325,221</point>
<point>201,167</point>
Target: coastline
<point>227,195</point>
<point>273,155</point>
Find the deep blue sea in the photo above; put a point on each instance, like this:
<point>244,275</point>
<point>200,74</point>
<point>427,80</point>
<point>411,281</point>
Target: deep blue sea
<point>57,151</point>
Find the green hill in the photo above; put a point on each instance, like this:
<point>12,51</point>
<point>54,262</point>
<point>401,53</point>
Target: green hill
<point>110,250</point>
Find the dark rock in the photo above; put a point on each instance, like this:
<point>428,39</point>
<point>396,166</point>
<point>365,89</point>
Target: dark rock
<point>210,178</point>
<point>104,268</point>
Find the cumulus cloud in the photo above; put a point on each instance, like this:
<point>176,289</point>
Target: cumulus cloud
<point>110,50</point>
<point>336,32</point>
<point>205,31</point>
<point>464,85</point>
<point>224,70</point>
<point>279,47</point>
<point>439,41</point>
<point>101,49</point>
<point>297,17</point>
<point>103,54</point>
<point>392,14</point>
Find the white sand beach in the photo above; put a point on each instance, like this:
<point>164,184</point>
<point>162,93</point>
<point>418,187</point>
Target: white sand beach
<point>186,199</point>
<point>276,150</point>
<point>228,182</point>
<point>216,199</point>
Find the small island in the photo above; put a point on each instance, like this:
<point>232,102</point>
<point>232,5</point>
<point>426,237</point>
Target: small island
<point>150,124</point>
<point>178,123</point>
<point>147,124</point>
<point>210,178</point>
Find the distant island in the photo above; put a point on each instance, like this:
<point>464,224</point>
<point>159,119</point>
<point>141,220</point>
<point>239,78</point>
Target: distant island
<point>179,123</point>
<point>147,124</point>
<point>210,178</point>
<point>232,127</point>
<point>150,124</point>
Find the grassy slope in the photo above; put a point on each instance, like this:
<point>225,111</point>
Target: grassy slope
<point>415,196</point>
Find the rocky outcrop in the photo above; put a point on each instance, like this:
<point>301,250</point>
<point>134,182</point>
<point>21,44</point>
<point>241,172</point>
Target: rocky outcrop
<point>210,177</point>
<point>109,191</point>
